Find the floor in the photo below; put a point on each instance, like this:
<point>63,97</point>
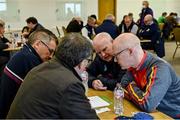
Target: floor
<point>170,48</point>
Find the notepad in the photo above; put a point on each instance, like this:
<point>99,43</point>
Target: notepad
<point>97,102</point>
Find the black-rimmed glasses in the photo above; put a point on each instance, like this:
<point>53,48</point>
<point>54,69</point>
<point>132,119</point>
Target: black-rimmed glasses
<point>51,51</point>
<point>115,55</point>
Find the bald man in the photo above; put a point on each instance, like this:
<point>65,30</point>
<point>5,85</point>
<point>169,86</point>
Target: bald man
<point>152,32</point>
<point>151,83</point>
<point>104,73</point>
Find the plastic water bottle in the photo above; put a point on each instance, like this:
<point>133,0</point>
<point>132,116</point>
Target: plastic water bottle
<point>84,76</point>
<point>118,100</point>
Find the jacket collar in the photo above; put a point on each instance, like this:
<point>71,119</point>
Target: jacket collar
<point>31,49</point>
<point>66,65</point>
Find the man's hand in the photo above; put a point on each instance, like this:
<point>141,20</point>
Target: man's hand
<point>97,84</point>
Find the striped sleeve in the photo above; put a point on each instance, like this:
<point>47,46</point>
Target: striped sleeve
<point>13,75</point>
<point>146,99</point>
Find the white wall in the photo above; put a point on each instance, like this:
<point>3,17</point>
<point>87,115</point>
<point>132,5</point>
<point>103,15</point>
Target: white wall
<point>158,6</point>
<point>44,11</point>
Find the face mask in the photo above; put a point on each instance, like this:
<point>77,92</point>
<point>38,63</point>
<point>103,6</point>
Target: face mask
<point>144,6</point>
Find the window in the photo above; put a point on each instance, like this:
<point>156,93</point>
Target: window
<point>3,5</point>
<point>66,9</point>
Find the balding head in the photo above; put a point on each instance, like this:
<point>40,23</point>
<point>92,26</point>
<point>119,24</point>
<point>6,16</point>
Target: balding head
<point>110,17</point>
<point>102,44</point>
<point>127,50</point>
<point>148,19</point>
<point>126,40</point>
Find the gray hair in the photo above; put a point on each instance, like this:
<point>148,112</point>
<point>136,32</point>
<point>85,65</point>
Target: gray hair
<point>2,23</point>
<point>73,49</point>
<point>44,35</point>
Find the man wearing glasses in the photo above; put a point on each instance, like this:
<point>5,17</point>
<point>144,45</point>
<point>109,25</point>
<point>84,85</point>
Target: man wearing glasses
<point>58,92</point>
<point>104,73</point>
<point>150,82</point>
<point>39,48</point>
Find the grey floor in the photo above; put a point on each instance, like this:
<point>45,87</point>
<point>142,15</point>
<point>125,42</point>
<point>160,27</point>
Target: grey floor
<point>169,49</point>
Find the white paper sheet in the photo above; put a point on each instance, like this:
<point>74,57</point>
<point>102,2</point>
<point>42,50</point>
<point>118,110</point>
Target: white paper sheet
<point>97,102</point>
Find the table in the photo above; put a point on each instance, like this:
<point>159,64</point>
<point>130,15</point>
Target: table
<point>13,49</point>
<point>129,107</point>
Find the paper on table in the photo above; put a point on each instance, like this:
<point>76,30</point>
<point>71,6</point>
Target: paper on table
<point>96,102</point>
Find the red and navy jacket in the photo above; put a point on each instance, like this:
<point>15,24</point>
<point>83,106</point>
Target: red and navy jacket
<point>153,85</point>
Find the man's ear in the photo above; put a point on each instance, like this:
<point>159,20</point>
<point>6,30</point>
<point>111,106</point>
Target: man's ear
<point>130,50</point>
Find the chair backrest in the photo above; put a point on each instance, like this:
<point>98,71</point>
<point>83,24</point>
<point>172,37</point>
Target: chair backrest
<point>161,25</point>
<point>58,31</point>
<point>176,32</point>
<point>64,30</point>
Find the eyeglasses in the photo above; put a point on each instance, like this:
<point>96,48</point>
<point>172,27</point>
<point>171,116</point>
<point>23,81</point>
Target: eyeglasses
<point>115,55</point>
<point>51,51</point>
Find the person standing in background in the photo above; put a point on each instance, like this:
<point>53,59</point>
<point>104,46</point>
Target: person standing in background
<point>146,10</point>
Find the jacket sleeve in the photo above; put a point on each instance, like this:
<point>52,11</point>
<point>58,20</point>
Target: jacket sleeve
<point>3,46</point>
<point>157,85</point>
<point>75,104</point>
<point>110,83</point>
<point>93,71</point>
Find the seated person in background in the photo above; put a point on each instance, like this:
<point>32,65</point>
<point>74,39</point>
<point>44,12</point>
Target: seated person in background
<point>88,29</point>
<point>33,25</point>
<point>54,90</point>
<point>97,23</point>
<point>108,26</point>
<point>128,26</point>
<point>151,32</point>
<point>162,19</point>
<point>103,72</point>
<point>150,83</point>
<point>25,31</point>
<point>74,26</point>
<point>39,48</point>
<point>4,43</point>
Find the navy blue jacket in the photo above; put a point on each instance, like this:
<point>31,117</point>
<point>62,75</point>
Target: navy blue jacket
<point>152,32</point>
<point>109,27</point>
<point>144,12</point>
<point>14,73</point>
<point>109,73</point>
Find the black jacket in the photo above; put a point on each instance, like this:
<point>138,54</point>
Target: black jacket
<point>53,90</point>
<point>109,73</point>
<point>4,55</point>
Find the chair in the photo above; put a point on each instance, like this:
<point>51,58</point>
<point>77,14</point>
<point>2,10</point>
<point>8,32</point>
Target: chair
<point>161,25</point>
<point>58,31</point>
<point>64,30</point>
<point>177,38</point>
